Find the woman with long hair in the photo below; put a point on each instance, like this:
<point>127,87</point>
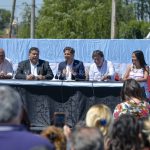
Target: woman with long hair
<point>138,70</point>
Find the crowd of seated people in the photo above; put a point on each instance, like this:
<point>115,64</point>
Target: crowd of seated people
<point>71,69</point>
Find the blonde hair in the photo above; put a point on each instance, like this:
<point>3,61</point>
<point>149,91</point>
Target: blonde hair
<point>100,116</point>
<point>56,136</point>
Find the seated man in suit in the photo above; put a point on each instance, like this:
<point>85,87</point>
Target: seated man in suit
<point>6,69</point>
<point>70,69</point>
<point>101,69</point>
<point>34,68</point>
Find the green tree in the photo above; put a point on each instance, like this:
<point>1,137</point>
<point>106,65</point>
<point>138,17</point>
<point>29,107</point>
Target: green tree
<point>136,25</point>
<point>74,19</point>
<point>4,19</point>
<point>134,30</point>
<point>91,19</point>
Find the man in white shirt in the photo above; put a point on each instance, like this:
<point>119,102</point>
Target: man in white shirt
<point>6,69</point>
<point>101,69</point>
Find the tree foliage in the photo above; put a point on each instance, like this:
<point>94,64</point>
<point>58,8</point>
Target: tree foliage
<point>137,26</point>
<point>4,19</point>
<point>88,19</point>
<point>134,29</point>
<point>74,19</point>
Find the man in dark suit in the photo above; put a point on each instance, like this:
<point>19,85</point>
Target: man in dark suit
<point>13,135</point>
<point>70,69</point>
<point>34,68</point>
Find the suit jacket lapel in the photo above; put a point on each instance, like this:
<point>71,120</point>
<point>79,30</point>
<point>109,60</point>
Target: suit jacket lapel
<point>28,66</point>
<point>39,69</point>
<point>74,64</point>
<point>64,65</point>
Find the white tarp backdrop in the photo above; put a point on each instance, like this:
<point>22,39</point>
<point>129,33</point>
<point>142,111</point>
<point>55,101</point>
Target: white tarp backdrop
<point>116,50</point>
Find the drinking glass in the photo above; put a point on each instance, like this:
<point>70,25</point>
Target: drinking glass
<point>58,74</point>
<point>14,73</point>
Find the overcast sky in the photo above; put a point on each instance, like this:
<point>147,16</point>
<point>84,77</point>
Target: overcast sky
<point>7,4</point>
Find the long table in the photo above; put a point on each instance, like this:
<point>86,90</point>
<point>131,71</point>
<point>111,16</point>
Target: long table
<point>43,98</point>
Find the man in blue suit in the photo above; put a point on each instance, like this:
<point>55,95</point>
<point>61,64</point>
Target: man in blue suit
<point>70,69</point>
<point>34,68</point>
<point>14,136</point>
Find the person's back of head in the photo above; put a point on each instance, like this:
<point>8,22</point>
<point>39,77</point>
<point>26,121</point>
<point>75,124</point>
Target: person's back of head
<point>131,89</point>
<point>100,116</point>
<point>10,105</point>
<point>56,136</point>
<point>125,133</point>
<point>145,133</point>
<point>87,139</point>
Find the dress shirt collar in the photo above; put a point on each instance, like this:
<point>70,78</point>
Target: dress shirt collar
<point>71,64</point>
<point>34,64</point>
<point>99,67</point>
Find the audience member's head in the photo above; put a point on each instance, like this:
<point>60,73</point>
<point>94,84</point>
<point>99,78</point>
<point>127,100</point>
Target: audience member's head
<point>100,116</point>
<point>69,53</point>
<point>145,133</point>
<point>98,57</point>
<point>10,105</point>
<point>68,131</point>
<point>87,139</point>
<point>125,133</point>
<point>34,55</point>
<point>56,136</point>
<point>2,55</point>
<point>131,89</point>
<point>138,58</point>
